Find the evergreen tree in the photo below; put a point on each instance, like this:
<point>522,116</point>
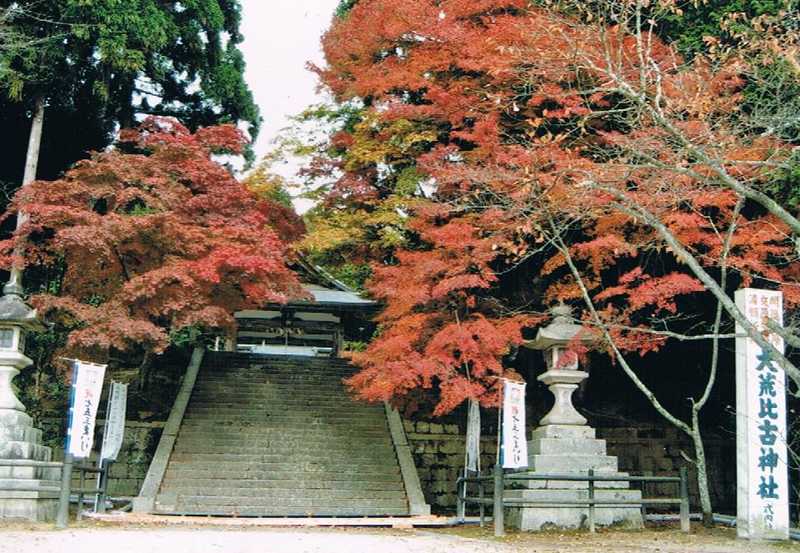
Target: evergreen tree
<point>98,65</point>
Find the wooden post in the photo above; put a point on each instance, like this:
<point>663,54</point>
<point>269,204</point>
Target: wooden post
<point>591,502</point>
<point>62,518</point>
<point>461,493</point>
<point>685,523</point>
<point>481,496</point>
<point>645,491</point>
<point>102,487</point>
<point>81,487</point>
<point>499,523</point>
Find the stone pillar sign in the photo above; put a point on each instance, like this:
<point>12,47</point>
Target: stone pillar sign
<point>761,457</point>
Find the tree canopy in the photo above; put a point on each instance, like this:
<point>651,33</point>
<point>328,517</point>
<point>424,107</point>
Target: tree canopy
<point>101,64</point>
<point>520,156</point>
<point>141,242</point>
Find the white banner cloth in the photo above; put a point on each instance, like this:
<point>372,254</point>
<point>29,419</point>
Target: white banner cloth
<point>114,430</point>
<point>86,389</point>
<point>515,445</point>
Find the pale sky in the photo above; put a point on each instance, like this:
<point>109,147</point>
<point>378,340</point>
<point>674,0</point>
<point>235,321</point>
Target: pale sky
<point>280,36</point>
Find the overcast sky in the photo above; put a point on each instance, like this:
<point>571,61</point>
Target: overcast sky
<point>280,36</point>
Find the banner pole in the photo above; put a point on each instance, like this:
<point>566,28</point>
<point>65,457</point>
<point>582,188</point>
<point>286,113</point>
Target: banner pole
<point>498,457</point>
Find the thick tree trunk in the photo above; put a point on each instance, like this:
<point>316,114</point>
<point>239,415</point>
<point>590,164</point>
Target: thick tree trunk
<point>14,285</point>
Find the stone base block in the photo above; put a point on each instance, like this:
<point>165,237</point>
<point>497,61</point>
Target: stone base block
<point>572,485</point>
<point>563,431</point>
<point>545,517</point>
<point>25,450</point>
<point>28,509</point>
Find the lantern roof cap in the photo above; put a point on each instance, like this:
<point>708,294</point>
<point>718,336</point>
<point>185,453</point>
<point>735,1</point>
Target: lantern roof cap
<point>561,330</point>
<point>14,310</point>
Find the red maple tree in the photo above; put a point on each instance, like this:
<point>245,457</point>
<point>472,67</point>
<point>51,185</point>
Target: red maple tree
<point>551,144</point>
<point>147,239</point>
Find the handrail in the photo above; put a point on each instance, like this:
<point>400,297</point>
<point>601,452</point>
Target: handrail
<point>499,502</point>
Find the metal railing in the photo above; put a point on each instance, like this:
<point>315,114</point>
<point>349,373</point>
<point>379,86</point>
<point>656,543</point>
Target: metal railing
<point>498,501</point>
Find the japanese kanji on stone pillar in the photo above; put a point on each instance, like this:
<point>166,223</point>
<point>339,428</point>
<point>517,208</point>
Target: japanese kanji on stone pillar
<point>762,477</point>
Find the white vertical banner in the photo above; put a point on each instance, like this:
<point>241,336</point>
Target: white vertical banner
<point>85,398</point>
<point>114,430</point>
<point>761,457</point>
<point>474,436</point>
<point>515,444</point>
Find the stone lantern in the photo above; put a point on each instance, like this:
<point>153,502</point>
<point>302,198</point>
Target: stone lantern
<point>29,481</point>
<point>564,444</point>
<point>562,375</point>
<point>16,320</point>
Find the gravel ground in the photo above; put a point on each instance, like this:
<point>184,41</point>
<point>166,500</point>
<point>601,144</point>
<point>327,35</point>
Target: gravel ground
<point>100,539</point>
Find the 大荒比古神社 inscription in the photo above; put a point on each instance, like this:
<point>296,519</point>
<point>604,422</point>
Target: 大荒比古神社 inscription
<point>762,478</point>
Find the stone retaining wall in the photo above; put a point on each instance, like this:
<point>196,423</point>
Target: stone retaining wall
<point>138,446</point>
<point>438,451</point>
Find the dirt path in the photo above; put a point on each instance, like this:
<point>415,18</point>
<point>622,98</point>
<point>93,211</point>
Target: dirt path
<point>463,540</point>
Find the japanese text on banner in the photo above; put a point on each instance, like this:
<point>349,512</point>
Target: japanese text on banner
<point>515,445</point>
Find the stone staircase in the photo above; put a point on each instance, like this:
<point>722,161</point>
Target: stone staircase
<point>280,436</point>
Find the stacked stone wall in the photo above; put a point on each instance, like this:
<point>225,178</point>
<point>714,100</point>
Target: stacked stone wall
<point>128,472</point>
<point>438,451</point>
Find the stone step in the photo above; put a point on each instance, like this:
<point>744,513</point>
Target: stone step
<point>189,475</point>
<point>222,432</point>
<point>256,470</point>
<point>285,493</point>
<point>274,488</point>
<point>289,502</point>
<point>274,441</point>
<point>261,402</point>
<point>281,447</point>
<point>278,511</point>
<point>321,392</point>
<point>272,458</point>
<point>297,483</point>
<point>267,504</point>
<point>291,413</point>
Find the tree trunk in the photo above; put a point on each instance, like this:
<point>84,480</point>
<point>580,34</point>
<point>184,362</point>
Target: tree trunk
<point>145,370</point>
<point>14,285</point>
<point>702,475</point>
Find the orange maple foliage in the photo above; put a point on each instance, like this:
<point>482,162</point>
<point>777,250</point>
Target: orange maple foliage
<point>535,142</point>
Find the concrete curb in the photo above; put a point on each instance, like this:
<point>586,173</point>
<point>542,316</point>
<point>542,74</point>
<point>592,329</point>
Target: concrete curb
<point>416,499</point>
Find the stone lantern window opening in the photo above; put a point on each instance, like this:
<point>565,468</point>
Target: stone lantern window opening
<point>9,338</point>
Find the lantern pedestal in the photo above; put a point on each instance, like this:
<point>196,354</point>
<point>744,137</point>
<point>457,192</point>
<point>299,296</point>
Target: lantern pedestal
<point>564,445</point>
<point>29,481</point>
<point>572,450</point>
